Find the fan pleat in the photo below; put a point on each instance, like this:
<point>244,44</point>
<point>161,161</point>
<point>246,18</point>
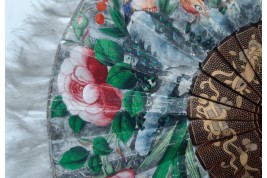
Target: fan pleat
<point>232,52</point>
<point>206,114</point>
<point>218,68</point>
<point>249,40</point>
<point>206,87</point>
<point>217,152</point>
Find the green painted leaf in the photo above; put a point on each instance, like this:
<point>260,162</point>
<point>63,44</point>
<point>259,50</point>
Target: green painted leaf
<point>58,108</point>
<point>88,43</point>
<point>170,9</point>
<point>108,52</point>
<point>191,163</point>
<point>175,171</point>
<point>188,27</point>
<point>176,143</point>
<point>121,76</point>
<point>134,102</point>
<point>95,164</point>
<point>79,24</point>
<point>123,125</point>
<point>163,5</point>
<point>158,150</point>
<point>74,158</point>
<point>107,167</point>
<point>118,20</point>
<point>113,32</point>
<point>215,3</point>
<point>180,165</point>
<point>101,146</point>
<point>116,4</point>
<point>76,123</point>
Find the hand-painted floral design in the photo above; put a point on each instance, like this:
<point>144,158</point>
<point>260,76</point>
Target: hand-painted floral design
<point>254,52</point>
<point>81,81</point>
<point>126,173</point>
<point>127,67</point>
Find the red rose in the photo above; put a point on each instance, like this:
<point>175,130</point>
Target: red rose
<point>81,81</point>
<point>125,173</point>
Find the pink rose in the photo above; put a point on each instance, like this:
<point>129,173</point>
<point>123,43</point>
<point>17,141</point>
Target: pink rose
<point>125,173</point>
<point>81,81</point>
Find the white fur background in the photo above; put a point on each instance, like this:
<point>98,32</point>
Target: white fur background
<point>28,72</point>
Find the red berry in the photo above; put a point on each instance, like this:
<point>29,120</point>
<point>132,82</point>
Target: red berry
<point>101,6</point>
<point>99,19</point>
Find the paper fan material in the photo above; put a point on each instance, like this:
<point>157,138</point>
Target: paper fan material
<point>225,111</point>
<point>123,70</point>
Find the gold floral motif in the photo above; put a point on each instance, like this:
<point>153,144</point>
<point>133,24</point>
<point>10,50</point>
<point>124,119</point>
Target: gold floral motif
<point>237,84</point>
<point>243,154</point>
<point>248,74</point>
<point>214,113</point>
<point>254,52</point>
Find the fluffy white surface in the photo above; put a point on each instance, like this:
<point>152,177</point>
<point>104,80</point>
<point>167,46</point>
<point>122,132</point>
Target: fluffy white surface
<point>28,73</point>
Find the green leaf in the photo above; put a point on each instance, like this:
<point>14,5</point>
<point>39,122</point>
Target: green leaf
<point>121,76</point>
<point>188,27</point>
<point>170,9</point>
<point>107,167</point>
<point>113,32</point>
<point>116,4</point>
<point>58,108</point>
<point>163,4</point>
<point>95,164</point>
<point>215,3</point>
<point>118,20</point>
<point>191,163</point>
<point>101,146</point>
<point>88,43</point>
<point>108,52</point>
<point>180,158</point>
<point>76,123</point>
<point>74,158</point>
<point>79,24</point>
<point>123,125</point>
<point>158,151</point>
<point>176,143</point>
<point>134,102</point>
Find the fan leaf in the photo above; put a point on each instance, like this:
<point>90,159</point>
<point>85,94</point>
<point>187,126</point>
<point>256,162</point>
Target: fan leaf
<point>74,158</point>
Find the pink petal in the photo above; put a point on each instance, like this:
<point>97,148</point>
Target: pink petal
<point>98,119</point>
<point>77,57</point>
<point>67,67</point>
<point>84,75</point>
<point>90,93</point>
<point>61,82</point>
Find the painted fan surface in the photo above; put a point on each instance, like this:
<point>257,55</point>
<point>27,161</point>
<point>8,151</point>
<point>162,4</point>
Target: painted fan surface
<point>225,110</point>
<point>119,91</point>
